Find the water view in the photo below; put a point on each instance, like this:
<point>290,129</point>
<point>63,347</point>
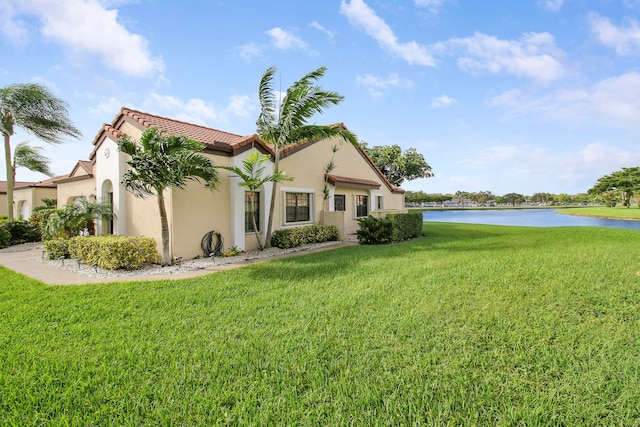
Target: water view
<point>525,217</point>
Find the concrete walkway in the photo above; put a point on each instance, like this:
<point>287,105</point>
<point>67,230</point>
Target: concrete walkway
<point>25,262</point>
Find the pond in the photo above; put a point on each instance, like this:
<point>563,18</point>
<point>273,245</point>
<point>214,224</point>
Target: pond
<point>524,217</point>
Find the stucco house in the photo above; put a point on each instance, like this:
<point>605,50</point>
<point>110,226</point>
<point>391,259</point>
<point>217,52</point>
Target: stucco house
<point>29,195</point>
<point>356,187</point>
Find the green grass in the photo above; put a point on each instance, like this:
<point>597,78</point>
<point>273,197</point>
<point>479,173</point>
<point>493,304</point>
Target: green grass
<point>603,212</point>
<point>470,325</point>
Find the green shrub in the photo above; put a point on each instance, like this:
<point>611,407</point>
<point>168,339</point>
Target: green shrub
<point>21,231</point>
<point>406,226</point>
<point>42,217</point>
<point>375,231</point>
<point>294,237</point>
<point>114,252</point>
<point>57,248</point>
<point>5,237</point>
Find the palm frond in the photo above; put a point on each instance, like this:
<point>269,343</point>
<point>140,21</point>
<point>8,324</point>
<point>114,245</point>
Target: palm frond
<point>31,158</point>
<point>34,108</point>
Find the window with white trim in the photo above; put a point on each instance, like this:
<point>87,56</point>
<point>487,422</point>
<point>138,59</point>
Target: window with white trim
<point>362,205</point>
<point>249,213</point>
<point>379,204</point>
<point>339,204</point>
<point>297,207</point>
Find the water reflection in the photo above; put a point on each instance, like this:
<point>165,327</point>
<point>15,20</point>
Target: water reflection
<point>525,217</point>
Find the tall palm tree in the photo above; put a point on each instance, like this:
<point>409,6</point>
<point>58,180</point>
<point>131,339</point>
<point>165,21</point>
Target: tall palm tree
<point>31,158</point>
<point>160,162</point>
<point>32,107</point>
<point>252,175</point>
<point>282,123</point>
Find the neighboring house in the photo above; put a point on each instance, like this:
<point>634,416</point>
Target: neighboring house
<point>357,188</point>
<point>27,196</point>
<point>3,195</point>
<point>78,183</point>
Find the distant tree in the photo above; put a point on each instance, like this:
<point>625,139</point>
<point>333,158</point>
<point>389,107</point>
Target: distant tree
<point>396,165</point>
<point>609,198</point>
<point>35,109</point>
<point>159,162</point>
<point>513,198</point>
<point>31,158</point>
<point>625,181</point>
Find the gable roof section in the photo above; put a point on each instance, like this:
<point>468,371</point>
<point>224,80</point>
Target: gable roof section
<point>287,151</point>
<point>46,183</point>
<point>82,165</point>
<point>217,141</point>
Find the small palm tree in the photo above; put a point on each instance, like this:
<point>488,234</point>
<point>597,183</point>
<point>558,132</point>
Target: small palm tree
<point>160,162</point>
<point>72,218</point>
<point>284,123</point>
<point>252,176</point>
<point>35,109</point>
<point>31,158</point>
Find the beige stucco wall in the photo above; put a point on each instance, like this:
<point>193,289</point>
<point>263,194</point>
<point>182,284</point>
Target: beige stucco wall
<point>3,204</point>
<point>307,167</point>
<point>197,210</point>
<point>27,198</point>
<point>71,190</point>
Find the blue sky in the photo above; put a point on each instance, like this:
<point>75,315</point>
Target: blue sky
<point>505,96</point>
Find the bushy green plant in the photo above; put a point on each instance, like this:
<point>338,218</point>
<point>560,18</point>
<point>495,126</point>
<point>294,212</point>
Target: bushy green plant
<point>5,237</point>
<point>42,218</point>
<point>114,252</point>
<point>294,237</point>
<point>406,225</point>
<point>57,248</point>
<point>21,231</point>
<point>374,231</point>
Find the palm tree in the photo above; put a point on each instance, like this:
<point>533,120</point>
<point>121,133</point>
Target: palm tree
<point>284,123</point>
<point>252,176</point>
<point>32,107</point>
<point>160,162</point>
<point>30,157</point>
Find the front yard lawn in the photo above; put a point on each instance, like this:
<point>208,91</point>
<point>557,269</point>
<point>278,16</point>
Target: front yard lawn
<point>469,325</point>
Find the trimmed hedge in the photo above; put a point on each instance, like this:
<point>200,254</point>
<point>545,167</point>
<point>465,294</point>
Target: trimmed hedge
<point>108,252</point>
<point>294,237</point>
<point>392,228</point>
<point>406,226</point>
<point>57,248</point>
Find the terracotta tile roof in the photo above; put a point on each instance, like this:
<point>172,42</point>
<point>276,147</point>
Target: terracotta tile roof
<point>3,185</point>
<point>213,139</point>
<point>46,183</point>
<point>351,182</point>
<point>86,165</point>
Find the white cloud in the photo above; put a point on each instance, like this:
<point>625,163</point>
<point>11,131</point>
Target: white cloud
<point>285,40</point>
<point>197,110</point>
<point>612,102</point>
<point>361,15</point>
<point>319,27</point>
<point>534,55</point>
<point>87,27</point>
<point>106,108</point>
<point>443,101</point>
<point>552,5</point>
<point>377,85</point>
<point>12,28</point>
<point>250,50</point>
<point>624,40</point>
<point>434,6</point>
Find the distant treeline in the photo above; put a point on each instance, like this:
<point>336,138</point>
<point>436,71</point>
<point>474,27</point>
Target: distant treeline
<point>487,197</point>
